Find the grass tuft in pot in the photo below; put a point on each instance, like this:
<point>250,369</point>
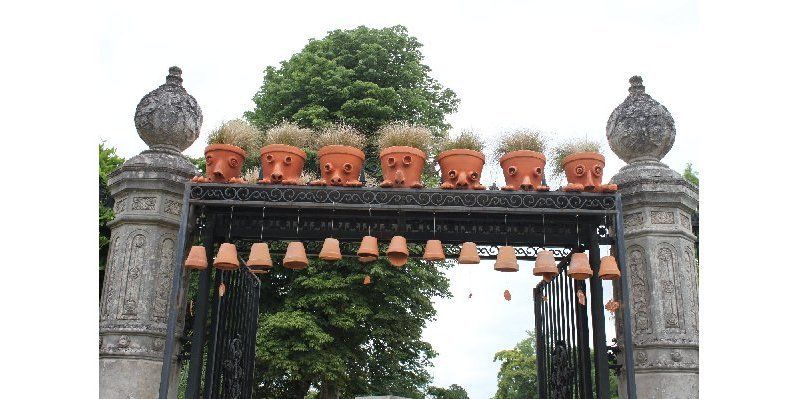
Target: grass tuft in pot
<point>236,132</point>
<point>465,140</point>
<point>283,154</point>
<point>401,166</point>
<point>520,139</point>
<point>461,168</point>
<point>564,149</point>
<point>224,164</point>
<point>340,166</point>
<point>522,170</point>
<point>287,133</point>
<point>404,134</point>
<point>340,134</point>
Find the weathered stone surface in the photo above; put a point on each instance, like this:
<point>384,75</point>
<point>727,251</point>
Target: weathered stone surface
<point>640,128</point>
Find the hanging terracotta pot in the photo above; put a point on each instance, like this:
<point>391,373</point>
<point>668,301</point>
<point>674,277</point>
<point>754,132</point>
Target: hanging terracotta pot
<point>227,257</point>
<point>295,258</point>
<point>506,260</point>
<point>398,251</point>
<point>368,249</point>
<point>584,171</point>
<point>402,167</point>
<point>545,265</point>
<point>579,268</point>
<point>330,250</point>
<point>260,260</point>
<point>223,164</point>
<point>523,170</point>
<point>433,251</point>
<point>282,164</point>
<point>340,166</point>
<point>367,280</point>
<point>609,270</point>
<point>197,258</point>
<point>461,169</point>
<point>469,254</point>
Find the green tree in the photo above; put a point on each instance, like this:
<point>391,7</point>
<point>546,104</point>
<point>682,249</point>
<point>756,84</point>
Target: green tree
<point>517,376</point>
<point>452,392</point>
<point>109,161</point>
<point>691,175</point>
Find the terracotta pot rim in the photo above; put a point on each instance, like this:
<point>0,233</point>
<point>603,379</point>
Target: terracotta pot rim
<point>461,151</point>
<point>402,149</point>
<point>285,148</point>
<point>341,149</point>
<point>523,154</point>
<point>584,155</point>
<point>225,147</point>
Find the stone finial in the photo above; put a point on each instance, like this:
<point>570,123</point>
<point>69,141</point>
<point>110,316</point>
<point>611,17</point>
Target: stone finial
<point>168,117</point>
<point>640,129</point>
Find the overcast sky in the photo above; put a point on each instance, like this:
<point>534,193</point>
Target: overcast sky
<point>550,65</point>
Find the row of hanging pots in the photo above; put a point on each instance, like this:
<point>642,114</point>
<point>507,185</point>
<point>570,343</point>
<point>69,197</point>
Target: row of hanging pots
<point>402,167</point>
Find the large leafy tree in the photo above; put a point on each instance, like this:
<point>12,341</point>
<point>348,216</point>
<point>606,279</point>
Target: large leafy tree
<point>454,391</point>
<point>109,160</point>
<point>322,328</point>
<point>517,376</point>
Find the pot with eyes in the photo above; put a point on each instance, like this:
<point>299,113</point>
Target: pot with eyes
<point>223,164</point>
<point>281,164</point>
<point>584,171</point>
<point>340,166</point>
<point>402,167</point>
<point>523,170</point>
<point>461,169</point>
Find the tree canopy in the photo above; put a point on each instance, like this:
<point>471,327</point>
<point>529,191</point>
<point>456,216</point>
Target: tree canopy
<point>691,175</point>
<point>454,391</point>
<point>109,160</point>
<point>517,376</point>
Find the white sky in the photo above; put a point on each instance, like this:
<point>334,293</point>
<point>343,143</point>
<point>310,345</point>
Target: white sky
<point>549,65</point>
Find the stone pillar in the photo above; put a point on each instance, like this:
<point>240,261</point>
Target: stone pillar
<point>658,205</point>
<point>148,196</point>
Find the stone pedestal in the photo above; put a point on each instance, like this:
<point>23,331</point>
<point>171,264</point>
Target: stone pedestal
<point>148,197</point>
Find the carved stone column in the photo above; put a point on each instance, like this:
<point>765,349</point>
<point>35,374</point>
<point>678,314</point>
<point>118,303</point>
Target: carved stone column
<point>148,192</point>
<point>658,205</point>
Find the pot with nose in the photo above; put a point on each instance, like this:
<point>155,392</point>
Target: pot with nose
<point>282,164</point>
<point>223,163</point>
<point>340,166</point>
<point>402,167</point>
<point>523,170</point>
<point>584,171</point>
<point>461,169</point>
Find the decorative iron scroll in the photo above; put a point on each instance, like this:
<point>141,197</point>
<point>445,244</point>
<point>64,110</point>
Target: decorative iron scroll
<point>381,197</point>
<point>561,379</point>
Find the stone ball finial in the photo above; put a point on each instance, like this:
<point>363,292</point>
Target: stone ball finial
<point>640,129</point>
<point>169,117</point>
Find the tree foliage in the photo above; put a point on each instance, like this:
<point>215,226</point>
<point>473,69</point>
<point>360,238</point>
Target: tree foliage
<point>691,175</point>
<point>517,376</point>
<point>109,161</point>
<point>453,392</point>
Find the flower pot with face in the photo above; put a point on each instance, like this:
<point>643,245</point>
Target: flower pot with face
<point>402,167</point>
<point>523,170</point>
<point>584,171</point>
<point>461,169</point>
<point>282,164</point>
<point>223,164</point>
<point>340,166</point>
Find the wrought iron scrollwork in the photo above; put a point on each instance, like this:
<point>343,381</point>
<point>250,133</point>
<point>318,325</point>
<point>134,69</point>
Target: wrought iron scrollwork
<point>562,377</point>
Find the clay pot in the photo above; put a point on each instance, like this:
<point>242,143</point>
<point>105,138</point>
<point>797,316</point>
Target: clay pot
<point>295,258</point>
<point>330,250</point>
<point>523,170</point>
<point>579,268</point>
<point>584,171</point>
<point>402,167</point>
<point>469,254</point>
<point>260,260</point>
<point>545,265</point>
<point>433,251</point>
<point>227,257</point>
<point>368,249</point>
<point>281,164</point>
<point>224,163</point>
<point>340,166</point>
<point>461,169</point>
<point>367,280</point>
<point>506,260</point>
<point>398,251</point>
<point>197,258</point>
<point>609,270</point>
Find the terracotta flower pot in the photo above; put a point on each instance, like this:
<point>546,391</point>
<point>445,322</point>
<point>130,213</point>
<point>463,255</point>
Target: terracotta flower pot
<point>282,164</point>
<point>461,169</point>
<point>523,170</point>
<point>402,167</point>
<point>584,172</point>
<point>223,164</point>
<point>340,166</point>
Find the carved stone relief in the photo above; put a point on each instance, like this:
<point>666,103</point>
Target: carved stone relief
<point>163,280</point>
<point>633,220</point>
<point>109,279</point>
<point>686,222</point>
<point>640,290</point>
<point>670,289</point>
<point>119,205</point>
<point>133,279</point>
<point>172,207</point>
<point>662,217</point>
<point>144,203</point>
<point>694,305</point>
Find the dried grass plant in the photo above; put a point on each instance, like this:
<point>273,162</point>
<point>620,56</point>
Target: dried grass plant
<point>340,134</point>
<point>404,134</point>
<point>563,150</point>
<point>236,132</point>
<point>250,176</point>
<point>465,140</point>
<point>520,139</point>
<point>288,133</point>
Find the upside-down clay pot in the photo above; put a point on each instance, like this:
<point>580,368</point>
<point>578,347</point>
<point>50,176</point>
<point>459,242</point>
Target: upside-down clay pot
<point>506,260</point>
<point>402,167</point>
<point>584,171</point>
<point>368,249</point>
<point>197,258</point>
<point>295,257</point>
<point>260,260</point>
<point>227,257</point>
<point>469,254</point>
<point>282,164</point>
<point>461,169</point>
<point>330,250</point>
<point>433,251</point>
<point>579,268</point>
<point>523,170</point>
<point>545,265</point>
<point>340,166</point>
<point>397,253</point>
<point>609,270</point>
<point>223,163</point>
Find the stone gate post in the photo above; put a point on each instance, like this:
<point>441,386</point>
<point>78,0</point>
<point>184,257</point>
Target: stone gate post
<point>148,192</point>
<point>658,206</point>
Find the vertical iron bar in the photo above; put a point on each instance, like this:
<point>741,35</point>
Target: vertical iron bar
<point>208,387</point>
<point>630,374</point>
<point>201,315</point>
<point>541,368</point>
<point>583,345</point>
<point>598,321</point>
<point>174,300</point>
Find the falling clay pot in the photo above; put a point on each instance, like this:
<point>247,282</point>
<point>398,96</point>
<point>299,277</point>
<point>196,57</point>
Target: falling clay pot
<point>282,164</point>
<point>584,171</point>
<point>461,169</point>
<point>340,166</point>
<point>223,164</point>
<point>523,170</point>
<point>402,167</point>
